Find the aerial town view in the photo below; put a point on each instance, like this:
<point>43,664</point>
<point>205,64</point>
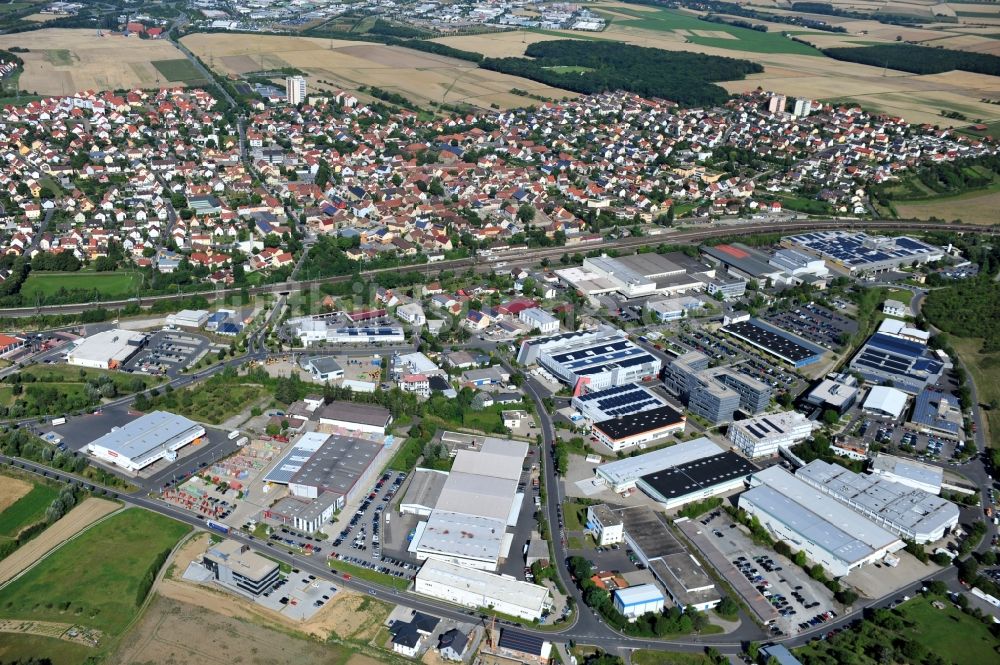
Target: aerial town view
<point>506,332</point>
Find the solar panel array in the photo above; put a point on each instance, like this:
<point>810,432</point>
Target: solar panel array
<point>621,400</point>
<point>860,249</point>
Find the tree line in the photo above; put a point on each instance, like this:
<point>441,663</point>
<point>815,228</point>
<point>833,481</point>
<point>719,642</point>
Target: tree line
<point>682,77</point>
<point>969,308</point>
<point>917,59</point>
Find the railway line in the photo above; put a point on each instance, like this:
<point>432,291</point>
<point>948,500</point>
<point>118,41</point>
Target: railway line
<point>531,256</point>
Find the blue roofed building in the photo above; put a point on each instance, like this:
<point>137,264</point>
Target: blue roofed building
<point>905,364</point>
<point>634,601</point>
<point>938,412</point>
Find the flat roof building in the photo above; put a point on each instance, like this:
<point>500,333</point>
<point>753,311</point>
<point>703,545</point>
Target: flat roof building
<point>324,368</point>
<point>356,417</point>
<point>188,318</point>
<point>623,474</point>
<point>830,533</point>
<point>154,436</point>
<point>904,363</point>
<point>539,320</point>
<point>640,428</point>
<point>479,589</point>
<point>423,492</point>
<point>909,472</point>
<point>238,567</point>
<point>598,359</point>
<point>714,393</point>
<point>632,276</point>
<point>856,252</point>
<point>340,466</point>
<point>902,509</point>
<point>777,342</point>
<point>107,350</point>
<point>634,601</point>
<point>763,435</point>
<point>938,413</point>
<point>616,401</point>
<point>305,515</point>
<point>837,391</point>
<point>696,480</point>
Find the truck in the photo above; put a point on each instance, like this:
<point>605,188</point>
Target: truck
<point>235,433</point>
<point>217,526</point>
<point>59,421</point>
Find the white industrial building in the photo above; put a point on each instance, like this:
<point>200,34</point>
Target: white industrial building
<point>107,350</point>
<point>633,276</point>
<point>468,514</point>
<point>622,475</point>
<point>634,601</point>
<point>885,401</point>
<point>154,436</point>
<point>672,309</point>
<point>412,313</point>
<point>600,405</point>
<point>596,359</point>
<point>830,533</point>
<point>312,331</point>
<point>906,511</point>
<point>909,472</point>
<point>356,417</point>
<point>479,589</point>
<point>539,320</point>
<point>763,435</point>
<point>188,318</point>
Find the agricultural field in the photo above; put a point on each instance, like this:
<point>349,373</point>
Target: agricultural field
<point>919,99</point>
<point>78,519</point>
<point>178,70</point>
<point>26,505</point>
<point>419,76</point>
<point>110,285</point>
<point>62,61</point>
<point>97,581</point>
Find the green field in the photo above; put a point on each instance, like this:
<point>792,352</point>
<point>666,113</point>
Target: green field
<point>752,41</point>
<point>984,369</point>
<point>28,510</point>
<point>95,579</point>
<point>59,57</point>
<point>180,69</point>
<point>962,639</point>
<point>109,285</point>
<point>574,515</point>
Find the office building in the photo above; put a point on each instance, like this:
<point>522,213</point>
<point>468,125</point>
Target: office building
<point>762,436</point>
<point>591,360</point>
<point>147,439</point>
<point>479,589</point>
<point>634,601</point>
<point>238,567</point>
<point>295,89</point>
<point>830,533</point>
<point>110,349</point>
<point>304,514</point>
<point>838,392</point>
<point>714,393</point>
<point>312,331</point>
<point>911,513</point>
<point>605,525</point>
<point>909,472</point>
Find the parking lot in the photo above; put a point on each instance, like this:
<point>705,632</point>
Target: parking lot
<point>169,352</point>
<point>814,323</point>
<point>298,596</point>
<point>799,601</point>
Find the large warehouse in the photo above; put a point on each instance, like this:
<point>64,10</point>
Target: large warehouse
<point>596,359</point>
<point>616,401</point>
<point>904,510</point>
<point>773,340</point>
<point>830,533</point>
<point>472,508</point>
<point>107,350</point>
<point>356,417</point>
<point>638,429</point>
<point>154,436</point>
<point>674,476</point>
<point>854,251</point>
<point>479,589</point>
<point>905,363</point>
<point>633,276</point>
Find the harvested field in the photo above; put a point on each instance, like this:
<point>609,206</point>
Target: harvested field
<point>63,61</point>
<point>497,44</point>
<point>74,522</point>
<point>12,489</point>
<point>178,632</point>
<point>971,208</point>
<point>421,77</point>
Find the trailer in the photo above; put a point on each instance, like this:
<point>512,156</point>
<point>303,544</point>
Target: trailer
<point>217,526</point>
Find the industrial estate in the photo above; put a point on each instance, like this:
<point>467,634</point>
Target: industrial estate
<point>367,332</point>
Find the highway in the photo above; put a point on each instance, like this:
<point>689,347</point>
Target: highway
<point>684,237</point>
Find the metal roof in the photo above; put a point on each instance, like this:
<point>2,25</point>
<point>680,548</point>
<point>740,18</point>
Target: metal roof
<point>630,469</point>
<point>143,435</point>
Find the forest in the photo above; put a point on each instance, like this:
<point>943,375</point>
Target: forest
<point>967,309</point>
<point>685,78</point>
<point>917,59</point>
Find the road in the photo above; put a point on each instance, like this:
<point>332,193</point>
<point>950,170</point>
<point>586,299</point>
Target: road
<point>685,237</point>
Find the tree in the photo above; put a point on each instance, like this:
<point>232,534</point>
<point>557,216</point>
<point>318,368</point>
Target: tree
<point>526,213</point>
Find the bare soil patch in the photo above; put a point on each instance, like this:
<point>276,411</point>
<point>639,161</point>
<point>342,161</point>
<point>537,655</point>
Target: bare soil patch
<point>74,522</point>
<point>12,489</point>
